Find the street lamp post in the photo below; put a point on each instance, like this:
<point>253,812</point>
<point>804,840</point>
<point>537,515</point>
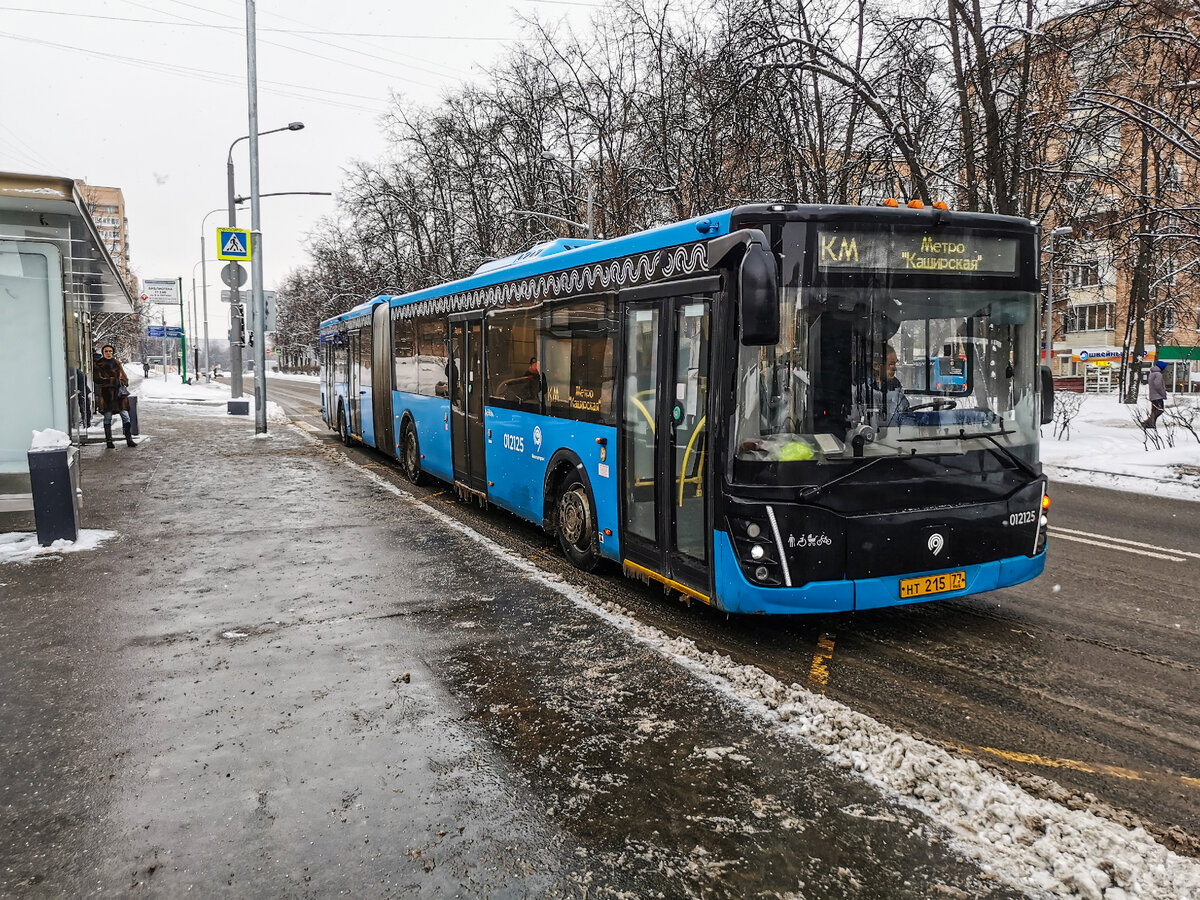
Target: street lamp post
<point>1060,231</point>
<point>547,156</point>
<point>204,283</point>
<point>237,326</point>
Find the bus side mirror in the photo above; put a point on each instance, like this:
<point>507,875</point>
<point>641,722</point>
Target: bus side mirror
<point>1047,395</point>
<point>758,291</point>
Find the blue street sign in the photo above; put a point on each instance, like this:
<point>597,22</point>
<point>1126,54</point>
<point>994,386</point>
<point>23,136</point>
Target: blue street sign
<point>233,244</point>
<point>174,332</point>
<point>155,331</point>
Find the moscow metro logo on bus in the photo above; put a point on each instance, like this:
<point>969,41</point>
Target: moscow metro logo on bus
<point>537,438</point>
<point>935,543</point>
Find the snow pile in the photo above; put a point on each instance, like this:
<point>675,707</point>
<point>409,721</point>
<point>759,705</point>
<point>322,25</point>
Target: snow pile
<point>22,546</point>
<point>50,439</point>
<point>1027,842</point>
<point>212,394</point>
<point>172,388</point>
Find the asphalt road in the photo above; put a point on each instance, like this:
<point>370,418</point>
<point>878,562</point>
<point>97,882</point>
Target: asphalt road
<point>1083,685</point>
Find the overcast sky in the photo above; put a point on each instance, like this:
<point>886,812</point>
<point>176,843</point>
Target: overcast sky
<point>147,96</point>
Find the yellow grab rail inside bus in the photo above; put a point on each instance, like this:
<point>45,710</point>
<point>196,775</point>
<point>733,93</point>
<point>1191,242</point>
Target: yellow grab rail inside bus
<point>699,477</point>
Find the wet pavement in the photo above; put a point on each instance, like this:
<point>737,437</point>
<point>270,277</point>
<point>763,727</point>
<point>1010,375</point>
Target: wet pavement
<point>282,679</point>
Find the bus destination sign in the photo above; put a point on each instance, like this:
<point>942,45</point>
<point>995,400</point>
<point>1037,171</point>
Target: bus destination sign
<point>941,254</point>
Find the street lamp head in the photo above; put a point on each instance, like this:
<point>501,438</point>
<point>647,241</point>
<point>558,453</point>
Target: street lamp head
<point>548,156</point>
<point>1062,231</point>
<point>295,126</point>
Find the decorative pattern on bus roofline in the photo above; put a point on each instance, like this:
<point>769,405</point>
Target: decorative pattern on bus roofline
<point>613,273</point>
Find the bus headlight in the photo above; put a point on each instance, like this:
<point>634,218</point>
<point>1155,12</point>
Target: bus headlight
<point>757,551</point>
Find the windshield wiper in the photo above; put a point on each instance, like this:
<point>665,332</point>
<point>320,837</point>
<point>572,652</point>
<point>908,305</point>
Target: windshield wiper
<point>989,435</point>
<point>819,489</point>
<point>1012,457</point>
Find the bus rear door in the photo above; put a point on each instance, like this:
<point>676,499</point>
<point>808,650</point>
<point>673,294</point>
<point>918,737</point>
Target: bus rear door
<point>466,402</point>
<point>665,466</point>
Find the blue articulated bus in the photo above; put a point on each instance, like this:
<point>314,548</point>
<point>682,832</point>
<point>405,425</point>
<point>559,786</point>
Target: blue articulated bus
<point>733,405</point>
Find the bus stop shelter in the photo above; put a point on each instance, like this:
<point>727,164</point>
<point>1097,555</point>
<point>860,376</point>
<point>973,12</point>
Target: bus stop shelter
<point>56,275</point>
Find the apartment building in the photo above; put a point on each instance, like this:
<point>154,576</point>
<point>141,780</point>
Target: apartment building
<point>107,207</point>
<point>1126,283</point>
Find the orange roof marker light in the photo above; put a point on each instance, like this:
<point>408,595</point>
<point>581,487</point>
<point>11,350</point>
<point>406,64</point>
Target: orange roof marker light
<point>915,204</point>
<point>891,201</point>
<point>940,204</point>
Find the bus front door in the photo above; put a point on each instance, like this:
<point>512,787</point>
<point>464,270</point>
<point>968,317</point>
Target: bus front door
<point>466,402</point>
<point>664,441</point>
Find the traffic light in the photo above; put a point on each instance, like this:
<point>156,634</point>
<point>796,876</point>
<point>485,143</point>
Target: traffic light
<point>238,331</point>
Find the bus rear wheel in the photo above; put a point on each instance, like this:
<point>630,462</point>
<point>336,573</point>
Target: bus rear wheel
<point>343,431</point>
<point>410,454</point>
<point>576,523</point>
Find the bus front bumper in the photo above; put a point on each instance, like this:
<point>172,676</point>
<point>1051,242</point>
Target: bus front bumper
<point>736,594</point>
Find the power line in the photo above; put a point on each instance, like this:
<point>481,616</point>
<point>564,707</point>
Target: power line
<point>396,58</point>
<point>210,76</point>
<point>342,62</point>
<point>321,31</point>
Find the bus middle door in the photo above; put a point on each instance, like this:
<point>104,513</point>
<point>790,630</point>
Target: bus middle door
<point>466,403</point>
<point>353,413</point>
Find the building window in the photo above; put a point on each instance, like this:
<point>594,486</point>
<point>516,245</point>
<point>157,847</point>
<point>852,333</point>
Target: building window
<point>1082,274</point>
<point>1093,317</point>
<point>1164,319</point>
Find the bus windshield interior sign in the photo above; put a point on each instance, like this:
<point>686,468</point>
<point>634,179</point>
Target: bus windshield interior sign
<point>939,254</point>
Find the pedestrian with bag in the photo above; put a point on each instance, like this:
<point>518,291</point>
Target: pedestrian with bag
<point>112,394</point>
<point>1158,393</point>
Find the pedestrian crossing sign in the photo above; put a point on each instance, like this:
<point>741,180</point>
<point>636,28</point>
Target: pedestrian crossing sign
<point>233,243</point>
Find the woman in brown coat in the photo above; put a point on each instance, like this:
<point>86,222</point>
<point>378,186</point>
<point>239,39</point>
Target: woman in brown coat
<point>108,375</point>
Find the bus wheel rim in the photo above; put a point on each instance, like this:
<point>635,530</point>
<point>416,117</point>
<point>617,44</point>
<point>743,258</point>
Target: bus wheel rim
<point>573,516</point>
<point>410,452</point>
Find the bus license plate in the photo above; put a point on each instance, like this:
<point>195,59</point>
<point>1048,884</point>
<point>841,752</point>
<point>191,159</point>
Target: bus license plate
<point>932,584</point>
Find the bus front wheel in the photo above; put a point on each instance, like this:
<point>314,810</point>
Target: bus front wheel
<point>343,431</point>
<point>410,454</point>
<point>577,523</point>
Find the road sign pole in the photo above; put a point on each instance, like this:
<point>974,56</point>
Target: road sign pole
<point>235,317</point>
<point>182,339</point>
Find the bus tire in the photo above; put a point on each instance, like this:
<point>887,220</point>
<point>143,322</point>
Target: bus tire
<point>575,522</point>
<point>343,431</point>
<point>410,454</point>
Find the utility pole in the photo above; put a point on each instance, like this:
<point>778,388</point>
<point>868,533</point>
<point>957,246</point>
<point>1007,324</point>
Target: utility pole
<point>256,266</point>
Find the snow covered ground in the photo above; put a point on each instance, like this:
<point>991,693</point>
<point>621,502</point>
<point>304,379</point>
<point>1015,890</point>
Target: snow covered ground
<point>1106,448</point>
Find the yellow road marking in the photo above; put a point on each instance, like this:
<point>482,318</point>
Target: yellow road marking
<point>819,670</point>
<point>1048,762</point>
<point>1077,765</point>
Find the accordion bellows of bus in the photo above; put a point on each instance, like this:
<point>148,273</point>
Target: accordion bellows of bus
<point>776,408</point>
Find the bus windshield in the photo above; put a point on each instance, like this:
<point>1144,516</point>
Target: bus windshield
<point>864,372</point>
